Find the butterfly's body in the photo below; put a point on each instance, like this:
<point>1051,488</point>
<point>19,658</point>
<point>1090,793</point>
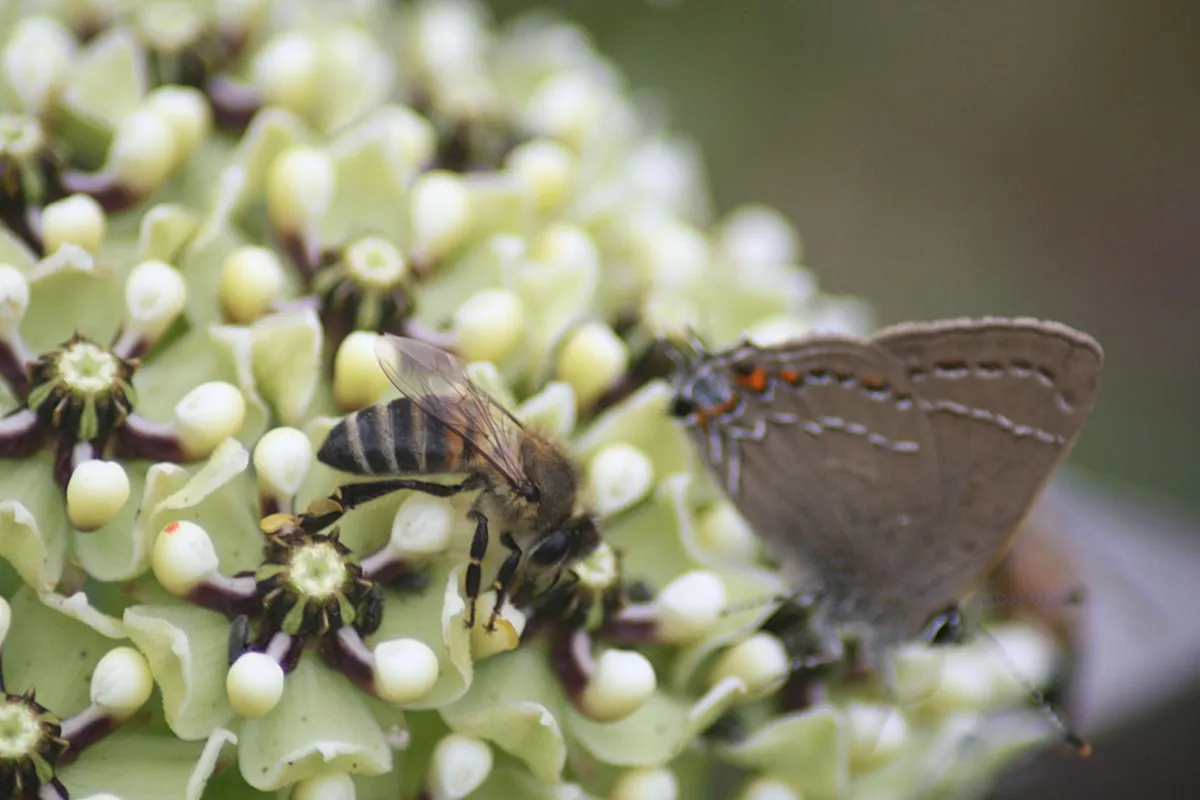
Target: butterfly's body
<point>887,476</point>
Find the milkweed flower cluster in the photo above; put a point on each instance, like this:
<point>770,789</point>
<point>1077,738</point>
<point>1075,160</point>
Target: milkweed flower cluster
<point>209,212</point>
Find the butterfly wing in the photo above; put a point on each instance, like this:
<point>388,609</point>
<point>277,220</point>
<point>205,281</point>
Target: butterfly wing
<point>1006,400</point>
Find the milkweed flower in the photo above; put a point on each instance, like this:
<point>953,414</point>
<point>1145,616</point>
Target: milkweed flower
<point>209,213</point>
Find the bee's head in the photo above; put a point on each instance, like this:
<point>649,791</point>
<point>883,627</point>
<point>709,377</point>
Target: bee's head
<point>552,480</point>
<point>559,548</point>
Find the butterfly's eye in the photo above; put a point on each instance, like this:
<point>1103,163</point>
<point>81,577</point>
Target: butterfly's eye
<point>682,407</point>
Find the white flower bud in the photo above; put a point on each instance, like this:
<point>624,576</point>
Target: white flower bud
<point>282,459</point>
<point>510,624</point>
<point>285,70</point>
<point>675,257</point>
<point>154,296</point>
<point>668,172</point>
<point>103,796</point>
<point>877,733</point>
<point>405,670</point>
<point>547,167</point>
<point>77,220</point>
<point>121,682</point>
<point>754,236</point>
<point>14,300</point>
<point>725,532</point>
<point>299,187</point>
<point>37,59</point>
<point>600,569</point>
<point>251,281</point>
<point>143,150</point>
<point>5,619</point>
<point>760,662</point>
<point>621,475</point>
<point>489,325</point>
<point>777,330</point>
<point>623,681</point>
<point>592,359</point>
<point>458,766</point>
<point>207,415</point>
<point>440,214</point>
<point>187,111</point>
<point>96,493</point>
<point>666,313</point>
<point>648,783</point>
<point>767,789</point>
<point>183,556</point>
<point>449,36</point>
<point>690,605</point>
<point>254,684</point>
<point>423,526</point>
<point>236,16</point>
<point>330,786</point>
<point>567,245</point>
<point>566,106</point>
<point>358,381</point>
<point>411,136</point>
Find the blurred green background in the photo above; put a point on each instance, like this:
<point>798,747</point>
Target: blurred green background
<point>1026,157</point>
<point>943,159</point>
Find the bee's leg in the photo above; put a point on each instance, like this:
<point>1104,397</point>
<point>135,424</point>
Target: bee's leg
<point>479,543</point>
<point>504,578</point>
<point>328,510</point>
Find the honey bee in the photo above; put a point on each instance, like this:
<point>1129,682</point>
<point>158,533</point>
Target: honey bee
<point>443,424</point>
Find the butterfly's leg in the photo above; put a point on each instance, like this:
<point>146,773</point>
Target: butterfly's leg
<point>479,544</point>
<point>505,578</point>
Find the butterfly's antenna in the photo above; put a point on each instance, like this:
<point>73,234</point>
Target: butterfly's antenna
<point>1081,745</point>
<point>1071,597</point>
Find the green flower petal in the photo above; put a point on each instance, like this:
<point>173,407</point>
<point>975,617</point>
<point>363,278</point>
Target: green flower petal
<point>240,184</point>
<point>482,267</point>
<point>79,608</point>
<point>95,299</point>
<point>164,233</point>
<point>808,750</point>
<point>487,377</point>
<point>515,701</point>
<point>642,421</point>
<point>121,550</point>
<point>137,766</point>
<point>320,725</point>
<point>237,345</point>
<point>108,78</point>
<point>287,356</point>
<point>960,759</point>
<point>33,531</point>
<point>506,783</point>
<point>436,618</point>
<point>559,294</point>
<point>53,651</point>
<point>750,588</point>
<point>658,731</point>
<point>552,410</point>
<point>371,193</point>
<point>14,252</point>
<point>188,650</point>
<point>644,535</point>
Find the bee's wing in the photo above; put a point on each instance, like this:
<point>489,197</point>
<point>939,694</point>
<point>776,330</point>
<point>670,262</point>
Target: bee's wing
<point>437,383</point>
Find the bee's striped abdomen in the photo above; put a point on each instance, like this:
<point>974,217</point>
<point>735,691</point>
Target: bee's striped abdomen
<point>396,438</point>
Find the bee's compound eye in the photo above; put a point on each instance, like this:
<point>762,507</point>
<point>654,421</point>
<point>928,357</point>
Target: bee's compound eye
<point>551,549</point>
<point>682,407</point>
